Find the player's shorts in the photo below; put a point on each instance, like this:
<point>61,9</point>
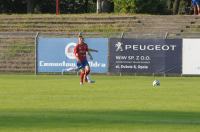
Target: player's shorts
<point>82,65</point>
<point>195,2</point>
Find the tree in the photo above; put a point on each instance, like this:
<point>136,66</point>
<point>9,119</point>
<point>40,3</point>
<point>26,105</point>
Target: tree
<point>30,6</point>
<point>179,6</point>
<point>125,6</point>
<point>107,6</point>
<point>170,4</point>
<point>98,6</point>
<point>84,6</point>
<point>176,6</point>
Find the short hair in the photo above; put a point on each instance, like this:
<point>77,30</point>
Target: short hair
<point>80,35</point>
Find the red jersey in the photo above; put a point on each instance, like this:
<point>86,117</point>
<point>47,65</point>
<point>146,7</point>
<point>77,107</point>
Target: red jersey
<point>80,51</point>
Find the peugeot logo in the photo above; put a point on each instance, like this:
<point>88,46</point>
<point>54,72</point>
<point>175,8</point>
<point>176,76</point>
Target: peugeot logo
<point>119,46</point>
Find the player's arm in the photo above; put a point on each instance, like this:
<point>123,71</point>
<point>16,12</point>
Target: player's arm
<point>76,54</point>
<point>77,57</point>
<point>92,50</point>
<point>88,52</point>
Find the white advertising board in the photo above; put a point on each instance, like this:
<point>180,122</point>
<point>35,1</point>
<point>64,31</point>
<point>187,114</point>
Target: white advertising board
<point>191,57</point>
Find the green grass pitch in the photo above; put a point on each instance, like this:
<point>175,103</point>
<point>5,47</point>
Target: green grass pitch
<point>56,103</point>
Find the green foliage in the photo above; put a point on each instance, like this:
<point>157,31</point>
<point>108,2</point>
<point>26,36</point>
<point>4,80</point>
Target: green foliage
<point>141,6</point>
<point>184,7</point>
<point>125,6</point>
<point>89,6</point>
<point>10,6</point>
<point>48,6</point>
<point>151,6</point>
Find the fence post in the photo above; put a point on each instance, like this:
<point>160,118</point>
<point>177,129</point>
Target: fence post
<point>122,36</point>
<point>36,44</point>
<point>166,35</point>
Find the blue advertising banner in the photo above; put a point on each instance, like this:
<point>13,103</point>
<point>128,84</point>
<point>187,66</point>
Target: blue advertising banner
<point>145,55</point>
<point>56,54</point>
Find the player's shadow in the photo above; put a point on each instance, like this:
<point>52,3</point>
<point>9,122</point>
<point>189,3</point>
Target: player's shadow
<point>64,119</point>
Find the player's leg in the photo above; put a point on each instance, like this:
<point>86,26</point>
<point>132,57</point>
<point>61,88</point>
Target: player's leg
<point>82,74</point>
<point>82,71</point>
<point>87,77</point>
<point>86,67</point>
<point>194,7</point>
<point>195,10</point>
<point>198,9</point>
<point>87,72</point>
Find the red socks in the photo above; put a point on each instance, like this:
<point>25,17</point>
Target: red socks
<point>82,76</point>
<point>85,75</point>
<point>87,72</point>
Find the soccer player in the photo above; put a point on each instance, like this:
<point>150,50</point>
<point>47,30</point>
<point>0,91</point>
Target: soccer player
<point>80,51</point>
<point>196,6</point>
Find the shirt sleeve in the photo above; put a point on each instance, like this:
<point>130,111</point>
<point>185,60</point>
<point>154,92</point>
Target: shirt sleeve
<point>76,50</point>
<point>86,48</point>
